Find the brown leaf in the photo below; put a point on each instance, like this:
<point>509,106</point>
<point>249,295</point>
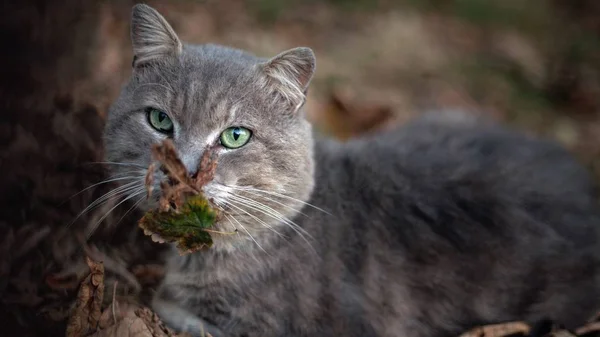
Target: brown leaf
<point>588,328</point>
<point>62,282</point>
<point>149,181</point>
<point>149,273</point>
<point>561,333</point>
<point>498,330</point>
<point>206,169</point>
<point>86,314</point>
<point>124,319</point>
<point>176,205</point>
<point>130,325</point>
<point>166,154</point>
<point>347,117</point>
<point>180,184</point>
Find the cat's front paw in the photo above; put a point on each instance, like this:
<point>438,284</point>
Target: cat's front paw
<point>181,320</point>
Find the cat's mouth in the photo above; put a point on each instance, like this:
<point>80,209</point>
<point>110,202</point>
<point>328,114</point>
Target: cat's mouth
<point>216,196</point>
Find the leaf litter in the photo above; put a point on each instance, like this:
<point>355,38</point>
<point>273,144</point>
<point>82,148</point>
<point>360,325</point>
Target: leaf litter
<point>120,318</point>
<point>522,329</point>
<point>87,311</point>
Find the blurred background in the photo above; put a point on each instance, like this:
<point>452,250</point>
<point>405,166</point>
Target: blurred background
<point>532,64</point>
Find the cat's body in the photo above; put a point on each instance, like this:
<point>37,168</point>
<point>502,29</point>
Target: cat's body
<point>434,228</point>
<point>424,231</point>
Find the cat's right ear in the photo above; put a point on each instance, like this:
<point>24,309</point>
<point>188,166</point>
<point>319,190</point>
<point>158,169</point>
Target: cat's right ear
<point>289,74</point>
<point>152,37</point>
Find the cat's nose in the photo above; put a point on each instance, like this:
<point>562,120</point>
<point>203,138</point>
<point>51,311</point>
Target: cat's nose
<point>191,161</point>
<point>198,160</point>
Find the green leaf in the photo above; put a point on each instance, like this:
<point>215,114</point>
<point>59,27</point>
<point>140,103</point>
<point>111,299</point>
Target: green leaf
<point>187,226</point>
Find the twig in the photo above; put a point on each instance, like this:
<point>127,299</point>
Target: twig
<point>114,301</point>
<point>591,327</point>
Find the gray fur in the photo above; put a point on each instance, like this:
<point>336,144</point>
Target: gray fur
<point>426,230</point>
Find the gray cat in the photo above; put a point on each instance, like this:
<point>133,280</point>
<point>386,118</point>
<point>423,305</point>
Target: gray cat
<point>427,230</point>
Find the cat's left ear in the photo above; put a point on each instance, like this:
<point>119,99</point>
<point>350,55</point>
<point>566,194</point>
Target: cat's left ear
<point>152,37</point>
<point>289,74</point>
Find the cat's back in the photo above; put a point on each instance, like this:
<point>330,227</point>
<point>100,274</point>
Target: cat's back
<point>451,207</point>
<point>445,166</point>
<point>452,146</point>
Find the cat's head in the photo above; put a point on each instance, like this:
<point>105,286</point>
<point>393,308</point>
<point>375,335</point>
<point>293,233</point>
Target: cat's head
<point>200,96</point>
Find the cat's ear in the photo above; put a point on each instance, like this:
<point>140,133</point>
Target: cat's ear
<point>289,74</point>
<point>152,36</point>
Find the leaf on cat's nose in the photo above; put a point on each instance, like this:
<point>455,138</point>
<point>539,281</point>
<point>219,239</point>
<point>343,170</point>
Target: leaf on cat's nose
<point>166,154</point>
<point>184,216</point>
<point>206,169</point>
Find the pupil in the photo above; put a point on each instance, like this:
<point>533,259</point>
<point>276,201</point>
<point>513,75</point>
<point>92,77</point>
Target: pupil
<point>236,133</point>
<point>161,117</point>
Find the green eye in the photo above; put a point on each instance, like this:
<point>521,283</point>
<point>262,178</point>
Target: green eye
<point>235,137</point>
<point>159,120</point>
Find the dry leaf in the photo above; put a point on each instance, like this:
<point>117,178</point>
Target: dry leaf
<point>62,282</point>
<point>149,273</point>
<point>122,319</point>
<point>166,154</point>
<point>206,169</point>
<point>184,215</point>
<point>498,330</point>
<point>86,314</point>
<point>588,328</point>
<point>347,117</point>
<point>130,325</point>
<point>149,181</point>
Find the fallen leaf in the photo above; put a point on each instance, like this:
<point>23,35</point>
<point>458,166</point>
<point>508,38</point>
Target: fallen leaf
<point>149,273</point>
<point>588,328</point>
<point>498,330</point>
<point>129,325</point>
<point>561,333</point>
<point>86,314</point>
<point>62,282</point>
<point>125,319</point>
<point>347,117</point>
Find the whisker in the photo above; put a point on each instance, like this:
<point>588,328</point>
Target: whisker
<point>266,225</point>
<point>277,216</point>
<point>117,191</point>
<point>109,180</point>
<point>299,230</point>
<point>134,194</point>
<point>279,195</point>
<point>273,213</point>
<point>114,163</point>
<point>292,225</point>
<point>269,199</point>
<point>250,235</point>
<point>140,200</point>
